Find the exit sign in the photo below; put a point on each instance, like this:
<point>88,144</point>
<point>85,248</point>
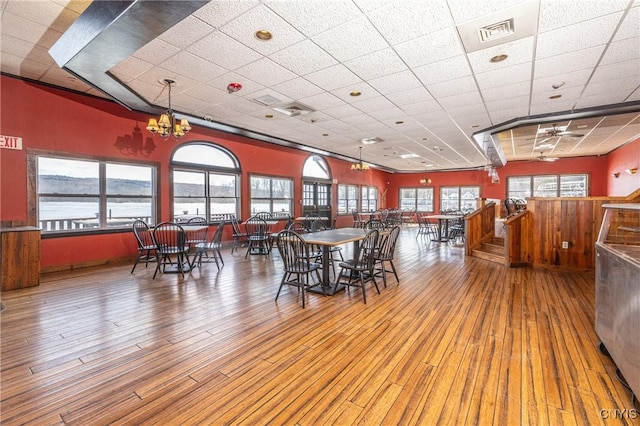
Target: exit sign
<point>10,142</point>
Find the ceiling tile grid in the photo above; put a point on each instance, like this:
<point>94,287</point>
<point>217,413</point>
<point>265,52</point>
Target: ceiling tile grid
<point>407,59</point>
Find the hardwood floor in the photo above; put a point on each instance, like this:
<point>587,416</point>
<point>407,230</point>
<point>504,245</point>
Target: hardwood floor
<point>458,341</point>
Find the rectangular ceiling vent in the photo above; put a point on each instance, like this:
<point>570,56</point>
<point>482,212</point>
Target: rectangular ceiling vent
<point>504,26</point>
<point>496,31</point>
<point>267,100</point>
<point>293,109</point>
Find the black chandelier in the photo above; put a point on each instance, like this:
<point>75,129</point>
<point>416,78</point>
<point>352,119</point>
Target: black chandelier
<point>360,166</point>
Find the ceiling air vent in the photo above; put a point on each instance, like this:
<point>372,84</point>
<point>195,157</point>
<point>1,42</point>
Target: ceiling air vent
<point>293,109</point>
<point>495,31</point>
<point>267,100</point>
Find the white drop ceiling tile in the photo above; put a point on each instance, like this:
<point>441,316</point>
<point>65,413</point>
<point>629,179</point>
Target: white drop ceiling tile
<point>410,97</point>
<point>622,50</point>
<point>189,65</point>
<point>221,49</point>
<point>448,69</point>
<point>605,98</point>
<point>463,10</point>
<point>504,76</point>
<point>21,48</point>
<point>562,13</point>
<point>303,58</point>
<point>621,85</point>
<point>430,107</point>
<point>573,79</point>
<point>46,14</point>
<point>552,105</point>
<point>249,87</point>
<point>566,92</point>
<point>568,62</point>
<point>368,106</point>
<point>467,110</point>
<point>266,72</point>
<point>342,111</point>
<point>359,119</point>
<point>130,69</point>
<point>410,19</point>
<point>518,51</point>
<point>453,87</point>
<point>186,32</point>
<point>322,101</point>
<point>351,40</point>
<point>218,13</point>
<point>460,100</point>
<point>262,18</point>
<point>630,27</point>
<point>333,77</point>
<point>154,76</point>
<point>377,64</point>
<point>618,70</point>
<point>314,17</point>
<point>480,120</point>
<point>506,91</point>
<point>366,92</point>
<point>504,115</point>
<point>434,47</point>
<point>595,32</point>
<point>156,52</point>
<point>508,103</point>
<point>398,82</point>
<point>208,93</point>
<point>29,31</point>
<point>59,77</point>
<point>297,88</point>
<point>18,65</point>
<point>184,103</point>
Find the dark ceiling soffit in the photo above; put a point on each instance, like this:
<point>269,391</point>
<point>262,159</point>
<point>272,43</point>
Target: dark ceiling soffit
<point>493,150</point>
<point>108,32</point>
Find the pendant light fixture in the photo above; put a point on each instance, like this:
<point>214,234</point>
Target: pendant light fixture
<point>168,125</point>
<point>360,166</point>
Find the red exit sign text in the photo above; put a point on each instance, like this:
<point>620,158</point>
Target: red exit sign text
<point>10,142</point>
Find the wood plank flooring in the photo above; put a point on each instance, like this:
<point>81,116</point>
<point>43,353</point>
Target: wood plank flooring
<point>459,341</point>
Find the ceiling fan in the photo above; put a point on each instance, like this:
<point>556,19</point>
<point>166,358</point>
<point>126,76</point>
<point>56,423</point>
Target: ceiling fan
<point>543,157</point>
<point>556,131</point>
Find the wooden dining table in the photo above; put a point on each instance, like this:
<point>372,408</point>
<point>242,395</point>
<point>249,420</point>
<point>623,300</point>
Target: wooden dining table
<point>331,238</point>
<point>444,218</point>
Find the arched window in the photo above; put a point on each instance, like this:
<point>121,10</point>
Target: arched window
<point>316,167</point>
<point>205,182</point>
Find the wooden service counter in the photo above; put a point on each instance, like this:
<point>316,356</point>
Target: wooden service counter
<point>20,256</point>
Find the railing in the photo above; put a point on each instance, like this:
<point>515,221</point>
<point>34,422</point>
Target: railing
<point>479,225</point>
<point>70,224</point>
<point>518,239</point>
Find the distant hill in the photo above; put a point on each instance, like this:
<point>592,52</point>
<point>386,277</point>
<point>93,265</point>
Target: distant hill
<point>56,184</point>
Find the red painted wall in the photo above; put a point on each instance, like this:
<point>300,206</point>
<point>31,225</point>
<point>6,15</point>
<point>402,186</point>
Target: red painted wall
<point>55,120</point>
<point>595,166</point>
<point>623,158</point>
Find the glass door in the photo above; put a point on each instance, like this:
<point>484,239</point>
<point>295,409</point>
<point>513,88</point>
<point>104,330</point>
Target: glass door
<point>316,199</point>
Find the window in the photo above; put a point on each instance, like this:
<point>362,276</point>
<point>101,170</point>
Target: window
<point>522,187</point>
<point>316,167</point>
<point>273,195</point>
<point>418,199</point>
<point>459,198</point>
<point>347,198</point>
<point>369,198</point>
<point>205,182</point>
<point>80,195</point>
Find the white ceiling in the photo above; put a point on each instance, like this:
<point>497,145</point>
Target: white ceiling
<point>422,93</point>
